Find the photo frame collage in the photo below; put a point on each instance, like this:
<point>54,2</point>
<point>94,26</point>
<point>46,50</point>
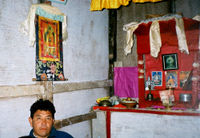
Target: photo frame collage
<point>173,79</point>
<point>170,76</point>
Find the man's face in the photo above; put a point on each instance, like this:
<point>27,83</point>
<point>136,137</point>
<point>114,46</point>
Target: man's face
<point>42,123</point>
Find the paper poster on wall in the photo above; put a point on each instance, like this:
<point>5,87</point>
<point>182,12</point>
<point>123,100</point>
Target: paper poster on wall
<point>171,79</point>
<point>156,78</point>
<point>183,76</point>
<point>49,55</point>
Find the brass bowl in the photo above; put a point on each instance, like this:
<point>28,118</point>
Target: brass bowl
<point>168,106</point>
<point>105,103</point>
<point>129,104</point>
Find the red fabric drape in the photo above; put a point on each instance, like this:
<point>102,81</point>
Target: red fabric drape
<point>192,33</point>
<point>143,43</point>
<point>168,34</point>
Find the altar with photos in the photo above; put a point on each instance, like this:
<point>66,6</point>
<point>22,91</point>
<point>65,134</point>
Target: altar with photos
<point>168,60</point>
<point>162,90</point>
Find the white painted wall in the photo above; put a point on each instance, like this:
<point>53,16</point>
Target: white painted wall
<point>146,125</point>
<point>85,55</point>
<point>139,125</point>
<point>86,50</point>
<point>99,125</point>
<point>14,117</point>
<point>76,103</point>
<point>17,57</point>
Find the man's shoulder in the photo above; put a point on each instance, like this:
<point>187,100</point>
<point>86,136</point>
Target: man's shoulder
<point>62,134</point>
<point>25,137</point>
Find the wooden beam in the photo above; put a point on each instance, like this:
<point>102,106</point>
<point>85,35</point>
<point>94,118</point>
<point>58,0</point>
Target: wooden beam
<point>20,90</point>
<point>68,87</point>
<point>46,89</point>
<point>75,119</point>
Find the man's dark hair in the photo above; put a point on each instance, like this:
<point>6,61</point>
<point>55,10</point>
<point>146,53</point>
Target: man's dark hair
<point>44,105</point>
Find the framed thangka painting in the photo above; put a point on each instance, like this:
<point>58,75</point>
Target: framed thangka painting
<point>49,52</point>
<point>171,79</point>
<point>157,78</point>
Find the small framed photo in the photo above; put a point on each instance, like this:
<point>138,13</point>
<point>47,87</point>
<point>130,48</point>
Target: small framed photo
<point>156,78</point>
<point>170,61</point>
<point>183,77</point>
<point>171,79</point>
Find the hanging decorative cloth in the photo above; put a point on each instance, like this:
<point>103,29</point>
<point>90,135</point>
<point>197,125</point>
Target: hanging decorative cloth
<point>113,4</point>
<point>153,36</point>
<point>49,55</point>
<point>181,35</point>
<point>130,28</point>
<point>45,10</point>
<point>126,82</point>
<point>46,25</point>
<point>155,39</point>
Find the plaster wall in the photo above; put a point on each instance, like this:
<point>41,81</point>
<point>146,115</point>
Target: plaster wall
<point>76,103</point>
<point>86,49</point>
<point>99,125</point>
<point>141,125</point>
<point>85,56</point>
<point>188,8</point>
<point>146,125</point>
<point>17,62</point>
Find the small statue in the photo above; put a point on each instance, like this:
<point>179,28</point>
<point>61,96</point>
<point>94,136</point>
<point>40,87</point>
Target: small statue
<point>149,84</point>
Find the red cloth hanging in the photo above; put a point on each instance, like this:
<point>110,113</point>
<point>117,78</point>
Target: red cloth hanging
<point>168,34</point>
<point>143,43</point>
<point>192,33</point>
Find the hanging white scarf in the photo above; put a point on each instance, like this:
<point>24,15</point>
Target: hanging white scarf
<point>45,10</point>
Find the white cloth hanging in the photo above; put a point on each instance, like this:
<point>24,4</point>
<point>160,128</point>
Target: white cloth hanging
<point>45,10</point>
<point>154,34</point>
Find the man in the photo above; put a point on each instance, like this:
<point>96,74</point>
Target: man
<point>42,119</point>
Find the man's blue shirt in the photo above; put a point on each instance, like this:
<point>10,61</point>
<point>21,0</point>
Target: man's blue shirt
<point>54,134</point>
